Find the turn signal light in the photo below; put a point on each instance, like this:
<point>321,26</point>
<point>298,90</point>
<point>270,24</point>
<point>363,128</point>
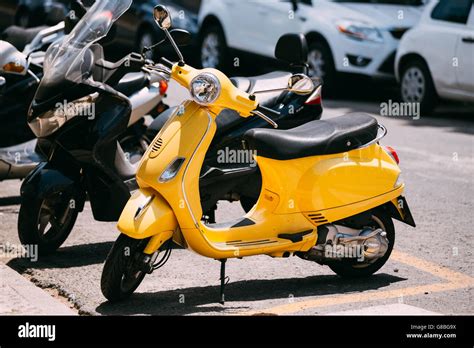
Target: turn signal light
<point>163,87</point>
<point>13,68</point>
<point>315,98</point>
<point>391,151</point>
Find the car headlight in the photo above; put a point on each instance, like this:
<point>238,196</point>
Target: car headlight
<point>49,122</point>
<point>205,88</point>
<point>359,31</point>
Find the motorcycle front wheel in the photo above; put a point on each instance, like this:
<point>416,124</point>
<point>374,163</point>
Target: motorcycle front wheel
<point>123,272</point>
<point>47,222</point>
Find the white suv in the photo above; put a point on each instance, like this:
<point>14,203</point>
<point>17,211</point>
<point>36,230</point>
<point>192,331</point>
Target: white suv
<point>436,58</point>
<point>356,36</point>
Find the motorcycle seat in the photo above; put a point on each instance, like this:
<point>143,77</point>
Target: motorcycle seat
<point>132,83</point>
<point>322,137</point>
<point>19,37</point>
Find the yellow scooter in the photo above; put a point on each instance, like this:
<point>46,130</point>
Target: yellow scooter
<point>329,190</point>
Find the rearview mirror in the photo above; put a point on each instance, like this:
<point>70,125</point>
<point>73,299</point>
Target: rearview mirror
<point>162,17</point>
<point>12,61</point>
<point>301,84</point>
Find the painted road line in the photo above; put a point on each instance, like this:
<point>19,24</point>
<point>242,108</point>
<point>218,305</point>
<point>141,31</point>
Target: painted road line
<point>455,280</point>
<point>390,309</point>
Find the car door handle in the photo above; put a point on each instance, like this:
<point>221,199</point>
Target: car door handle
<point>468,39</point>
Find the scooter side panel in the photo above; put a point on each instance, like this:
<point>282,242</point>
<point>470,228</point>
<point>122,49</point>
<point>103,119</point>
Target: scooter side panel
<point>327,182</point>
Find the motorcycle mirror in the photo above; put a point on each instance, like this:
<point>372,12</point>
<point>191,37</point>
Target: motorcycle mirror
<point>163,20</point>
<point>162,17</point>
<point>301,84</point>
<point>12,61</point>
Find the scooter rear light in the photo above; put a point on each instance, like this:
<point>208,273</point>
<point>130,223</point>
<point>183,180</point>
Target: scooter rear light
<point>391,151</point>
<point>163,87</point>
<point>315,98</point>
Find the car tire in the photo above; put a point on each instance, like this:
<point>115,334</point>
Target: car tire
<point>213,50</point>
<point>416,86</point>
<point>322,66</point>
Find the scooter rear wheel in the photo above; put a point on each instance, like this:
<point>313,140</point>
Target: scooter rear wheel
<point>348,269</point>
<point>123,272</point>
<point>47,222</point>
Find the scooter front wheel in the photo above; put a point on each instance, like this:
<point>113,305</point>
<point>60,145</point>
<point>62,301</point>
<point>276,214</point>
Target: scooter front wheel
<point>47,222</point>
<point>123,272</point>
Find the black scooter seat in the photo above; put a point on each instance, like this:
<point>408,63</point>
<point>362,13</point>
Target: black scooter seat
<point>336,135</point>
<point>132,83</point>
<point>19,37</point>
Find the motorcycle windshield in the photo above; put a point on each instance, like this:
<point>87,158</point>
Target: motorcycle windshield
<point>72,59</point>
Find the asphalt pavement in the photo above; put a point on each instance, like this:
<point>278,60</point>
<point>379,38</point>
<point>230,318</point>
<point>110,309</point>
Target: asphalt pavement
<point>430,270</point>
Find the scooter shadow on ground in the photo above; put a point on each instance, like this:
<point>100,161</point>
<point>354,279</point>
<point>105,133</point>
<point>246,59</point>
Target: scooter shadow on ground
<point>7,201</point>
<point>67,257</point>
<point>204,299</point>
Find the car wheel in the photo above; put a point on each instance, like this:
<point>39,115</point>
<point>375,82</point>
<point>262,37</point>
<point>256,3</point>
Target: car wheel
<point>213,48</point>
<point>416,86</point>
<point>147,38</point>
<point>321,65</point>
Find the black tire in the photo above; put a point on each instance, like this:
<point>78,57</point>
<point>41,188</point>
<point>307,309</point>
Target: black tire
<point>416,70</point>
<point>216,57</point>
<point>247,203</point>
<point>322,65</point>
<point>56,211</point>
<point>122,262</point>
<point>347,269</point>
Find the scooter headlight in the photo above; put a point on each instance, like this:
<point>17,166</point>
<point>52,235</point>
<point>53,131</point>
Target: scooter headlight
<point>205,88</point>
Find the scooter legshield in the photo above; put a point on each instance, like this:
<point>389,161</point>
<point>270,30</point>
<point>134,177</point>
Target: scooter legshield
<point>147,214</point>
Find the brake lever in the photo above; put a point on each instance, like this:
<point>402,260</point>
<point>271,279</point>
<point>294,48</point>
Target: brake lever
<point>265,118</point>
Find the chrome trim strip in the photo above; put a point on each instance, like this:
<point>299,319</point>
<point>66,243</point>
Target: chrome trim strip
<point>196,222</point>
<point>377,139</point>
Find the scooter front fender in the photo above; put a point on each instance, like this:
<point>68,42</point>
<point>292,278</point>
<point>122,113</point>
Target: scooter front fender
<point>46,180</point>
<point>148,214</point>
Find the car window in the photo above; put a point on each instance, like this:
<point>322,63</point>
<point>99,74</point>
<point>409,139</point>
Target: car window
<point>456,11</point>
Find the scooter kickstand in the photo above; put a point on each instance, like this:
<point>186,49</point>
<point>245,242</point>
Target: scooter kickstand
<point>223,281</point>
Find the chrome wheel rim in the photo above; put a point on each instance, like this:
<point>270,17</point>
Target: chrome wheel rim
<point>413,85</point>
<point>210,51</point>
<point>316,63</point>
<point>49,223</point>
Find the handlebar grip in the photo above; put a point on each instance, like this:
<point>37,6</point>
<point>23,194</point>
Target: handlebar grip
<point>267,111</point>
<point>167,63</point>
